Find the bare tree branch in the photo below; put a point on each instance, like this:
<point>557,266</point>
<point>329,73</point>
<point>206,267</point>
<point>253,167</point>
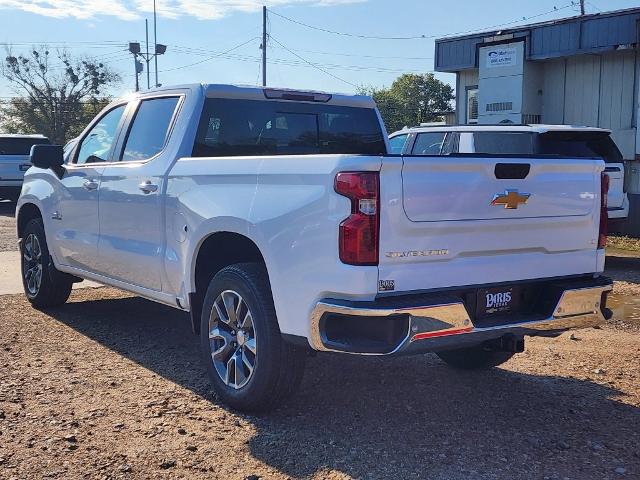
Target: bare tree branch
<point>58,99</point>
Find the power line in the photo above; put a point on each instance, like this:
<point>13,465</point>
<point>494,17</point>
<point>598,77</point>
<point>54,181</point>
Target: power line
<point>199,51</point>
<point>211,57</point>
<point>294,63</point>
<point>418,37</point>
<point>382,57</point>
<point>595,6</point>
<point>313,65</point>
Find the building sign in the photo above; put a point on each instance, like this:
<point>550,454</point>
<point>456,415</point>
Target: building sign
<point>502,57</point>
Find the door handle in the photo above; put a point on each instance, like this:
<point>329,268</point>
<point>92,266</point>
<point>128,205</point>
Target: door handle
<point>90,184</point>
<point>148,187</point>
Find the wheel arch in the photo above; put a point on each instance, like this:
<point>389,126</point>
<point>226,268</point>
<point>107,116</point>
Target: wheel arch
<point>215,252</point>
<point>27,212</point>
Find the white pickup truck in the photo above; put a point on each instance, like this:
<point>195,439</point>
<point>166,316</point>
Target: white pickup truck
<point>14,161</point>
<point>280,221</point>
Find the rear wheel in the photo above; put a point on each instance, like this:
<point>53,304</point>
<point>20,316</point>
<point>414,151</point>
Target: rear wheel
<point>250,366</point>
<point>43,284</point>
<point>474,358</point>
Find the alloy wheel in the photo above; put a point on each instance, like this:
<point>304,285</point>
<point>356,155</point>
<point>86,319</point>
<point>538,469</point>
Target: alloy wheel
<point>32,264</point>
<point>232,339</point>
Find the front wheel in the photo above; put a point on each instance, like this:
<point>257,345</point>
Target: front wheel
<point>250,366</point>
<point>474,358</point>
<point>43,284</point>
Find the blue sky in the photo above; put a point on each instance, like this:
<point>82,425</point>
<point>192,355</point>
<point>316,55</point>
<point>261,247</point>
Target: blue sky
<point>197,32</point>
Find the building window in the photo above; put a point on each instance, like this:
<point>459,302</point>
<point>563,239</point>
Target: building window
<point>472,105</point>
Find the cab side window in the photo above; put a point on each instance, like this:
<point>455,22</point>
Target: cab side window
<point>429,143</point>
<point>450,145</point>
<point>397,143</point>
<point>96,145</point>
<point>150,128</point>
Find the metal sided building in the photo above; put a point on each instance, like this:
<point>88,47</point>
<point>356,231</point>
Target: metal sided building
<point>582,70</point>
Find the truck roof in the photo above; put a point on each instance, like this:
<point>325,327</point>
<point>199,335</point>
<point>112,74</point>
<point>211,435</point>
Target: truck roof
<point>532,128</point>
<point>216,90</point>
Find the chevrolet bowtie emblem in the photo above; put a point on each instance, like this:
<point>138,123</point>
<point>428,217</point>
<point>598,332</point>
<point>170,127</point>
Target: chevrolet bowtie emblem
<point>510,199</point>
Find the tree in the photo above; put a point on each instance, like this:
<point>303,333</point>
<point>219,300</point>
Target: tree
<point>56,100</point>
<point>412,99</point>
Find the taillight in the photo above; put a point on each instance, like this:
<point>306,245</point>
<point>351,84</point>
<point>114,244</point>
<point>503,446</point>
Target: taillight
<point>358,237</point>
<point>604,210</point>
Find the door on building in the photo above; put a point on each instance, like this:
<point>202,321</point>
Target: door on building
<point>472,105</point>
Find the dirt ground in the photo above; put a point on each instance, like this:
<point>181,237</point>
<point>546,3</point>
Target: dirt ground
<point>8,241</point>
<point>111,386</point>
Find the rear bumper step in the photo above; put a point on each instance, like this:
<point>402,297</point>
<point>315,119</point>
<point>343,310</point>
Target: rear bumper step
<point>444,323</point>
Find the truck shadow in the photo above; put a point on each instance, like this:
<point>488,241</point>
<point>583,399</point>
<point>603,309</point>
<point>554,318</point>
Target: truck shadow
<point>407,417</point>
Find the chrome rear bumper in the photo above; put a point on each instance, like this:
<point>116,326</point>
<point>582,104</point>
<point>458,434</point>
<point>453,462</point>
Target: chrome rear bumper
<point>447,324</point>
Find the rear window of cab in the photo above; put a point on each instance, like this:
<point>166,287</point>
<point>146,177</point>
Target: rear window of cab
<point>231,127</point>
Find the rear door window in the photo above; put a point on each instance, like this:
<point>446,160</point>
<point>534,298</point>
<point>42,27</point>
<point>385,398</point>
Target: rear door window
<point>231,127</point>
<point>19,146</point>
<point>505,143</point>
<point>150,129</point>
<point>580,145</point>
<point>429,143</point>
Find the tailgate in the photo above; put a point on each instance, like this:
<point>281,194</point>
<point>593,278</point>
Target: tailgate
<point>615,171</point>
<point>445,221</point>
<point>12,167</point>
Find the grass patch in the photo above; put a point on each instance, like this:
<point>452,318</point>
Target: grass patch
<point>624,243</point>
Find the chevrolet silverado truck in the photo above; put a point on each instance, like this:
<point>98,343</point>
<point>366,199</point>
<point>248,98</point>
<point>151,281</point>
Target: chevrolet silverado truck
<point>279,220</point>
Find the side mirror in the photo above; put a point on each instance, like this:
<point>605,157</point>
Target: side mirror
<point>47,156</point>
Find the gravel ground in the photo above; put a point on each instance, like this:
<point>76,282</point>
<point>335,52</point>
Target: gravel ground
<point>8,241</point>
<point>110,386</point>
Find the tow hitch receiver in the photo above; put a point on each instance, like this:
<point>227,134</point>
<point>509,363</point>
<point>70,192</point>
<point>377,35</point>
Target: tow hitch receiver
<point>507,343</point>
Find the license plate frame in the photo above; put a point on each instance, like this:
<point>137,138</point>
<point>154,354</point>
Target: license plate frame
<point>497,301</point>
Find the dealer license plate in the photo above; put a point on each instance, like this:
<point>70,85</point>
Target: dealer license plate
<point>495,301</point>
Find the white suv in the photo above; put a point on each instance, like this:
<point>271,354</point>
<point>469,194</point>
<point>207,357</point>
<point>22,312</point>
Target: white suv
<point>559,140</point>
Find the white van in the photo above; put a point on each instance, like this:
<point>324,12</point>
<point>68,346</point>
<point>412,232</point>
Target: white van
<point>559,140</point>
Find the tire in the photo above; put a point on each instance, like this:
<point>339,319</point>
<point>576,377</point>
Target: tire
<point>43,284</point>
<point>268,370</point>
<point>474,358</point>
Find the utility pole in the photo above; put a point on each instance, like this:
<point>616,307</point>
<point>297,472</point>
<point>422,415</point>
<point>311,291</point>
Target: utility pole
<point>135,62</point>
<point>155,42</point>
<point>581,7</point>
<point>134,49</point>
<point>264,46</point>
<point>147,58</point>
